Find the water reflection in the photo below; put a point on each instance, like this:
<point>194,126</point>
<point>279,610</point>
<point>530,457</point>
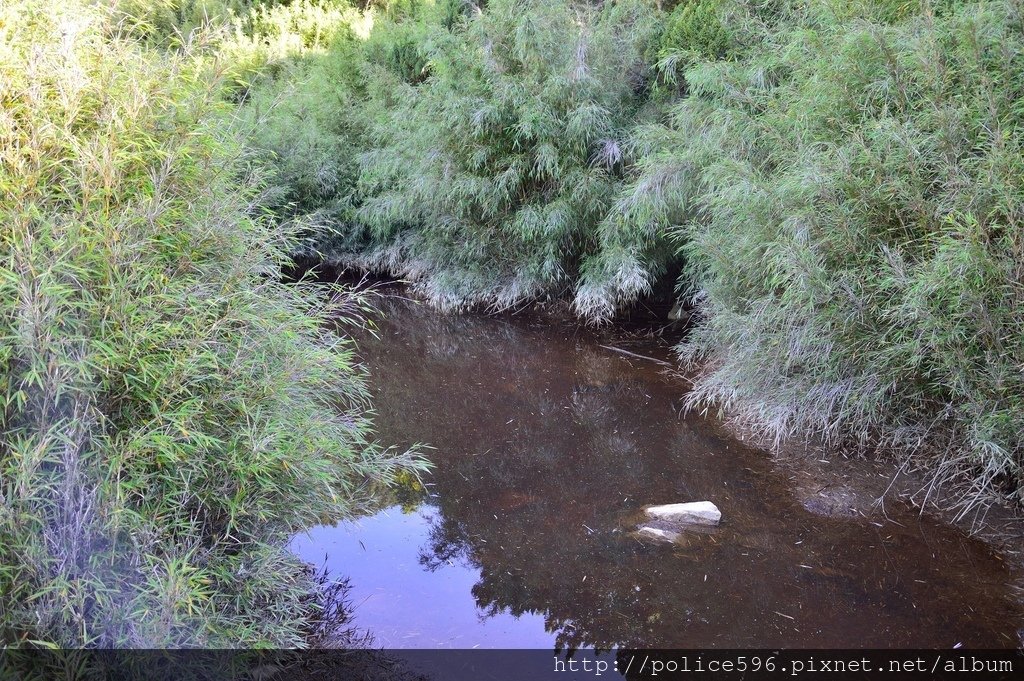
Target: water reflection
<point>545,447</point>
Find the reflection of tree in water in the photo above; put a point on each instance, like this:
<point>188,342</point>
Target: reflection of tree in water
<point>407,492</point>
<point>523,523</point>
<point>544,446</point>
<point>447,545</point>
<point>525,567</point>
<point>530,443</point>
<point>541,524</point>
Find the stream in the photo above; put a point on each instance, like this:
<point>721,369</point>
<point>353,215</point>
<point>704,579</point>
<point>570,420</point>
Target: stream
<point>546,445</point>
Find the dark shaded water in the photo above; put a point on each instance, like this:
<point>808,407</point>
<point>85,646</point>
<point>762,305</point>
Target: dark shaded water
<point>545,444</point>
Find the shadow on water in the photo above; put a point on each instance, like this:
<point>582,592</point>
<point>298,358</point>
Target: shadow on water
<point>546,445</point>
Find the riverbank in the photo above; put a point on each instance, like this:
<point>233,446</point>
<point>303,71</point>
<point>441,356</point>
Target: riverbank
<point>172,412</point>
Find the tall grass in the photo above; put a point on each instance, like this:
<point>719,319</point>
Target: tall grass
<point>846,181</point>
<point>171,412</point>
<point>306,117</point>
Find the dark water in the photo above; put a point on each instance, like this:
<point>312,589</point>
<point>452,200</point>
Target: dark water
<point>545,444</point>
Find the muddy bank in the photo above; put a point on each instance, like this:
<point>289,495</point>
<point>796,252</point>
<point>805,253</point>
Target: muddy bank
<point>836,481</point>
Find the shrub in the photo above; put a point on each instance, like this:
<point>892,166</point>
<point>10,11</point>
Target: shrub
<point>484,183</point>
<point>255,39</point>
<point>848,193</point>
<point>305,120</point>
<point>266,41</point>
<point>694,27</point>
<point>172,412</point>
<point>306,126</point>
<point>171,22</point>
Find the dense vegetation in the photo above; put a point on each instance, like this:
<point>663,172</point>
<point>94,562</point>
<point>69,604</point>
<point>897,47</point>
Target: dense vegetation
<point>172,412</point>
<point>839,181</point>
<point>488,179</point>
<point>845,181</point>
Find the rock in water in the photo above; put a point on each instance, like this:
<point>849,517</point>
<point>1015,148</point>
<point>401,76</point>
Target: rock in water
<point>657,533</point>
<point>695,513</point>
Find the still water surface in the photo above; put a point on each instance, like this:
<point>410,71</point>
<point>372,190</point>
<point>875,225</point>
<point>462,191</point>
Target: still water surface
<point>546,444</point>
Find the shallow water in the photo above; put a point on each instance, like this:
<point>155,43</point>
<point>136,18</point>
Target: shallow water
<point>546,444</point>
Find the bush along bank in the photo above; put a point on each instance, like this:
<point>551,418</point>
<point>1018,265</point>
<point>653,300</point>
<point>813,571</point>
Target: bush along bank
<point>839,180</point>
<point>848,181</point>
<point>172,414</point>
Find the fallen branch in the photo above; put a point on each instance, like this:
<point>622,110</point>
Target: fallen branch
<point>633,354</point>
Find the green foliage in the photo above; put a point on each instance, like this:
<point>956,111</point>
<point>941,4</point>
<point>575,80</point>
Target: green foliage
<point>694,27</point>
<point>843,178</point>
<point>402,49</point>
<point>307,125</point>
<point>166,17</point>
<point>172,413</point>
<point>412,86</point>
<point>848,190</point>
<point>306,116</point>
<point>172,21</point>
<point>264,43</point>
<point>314,78</point>
<point>254,38</point>
<point>484,182</point>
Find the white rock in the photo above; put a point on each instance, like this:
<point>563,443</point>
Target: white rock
<point>656,533</point>
<point>695,512</point>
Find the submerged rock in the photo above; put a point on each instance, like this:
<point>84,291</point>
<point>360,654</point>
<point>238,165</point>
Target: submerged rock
<point>648,532</point>
<point>692,513</point>
<point>844,495</point>
<point>677,523</point>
